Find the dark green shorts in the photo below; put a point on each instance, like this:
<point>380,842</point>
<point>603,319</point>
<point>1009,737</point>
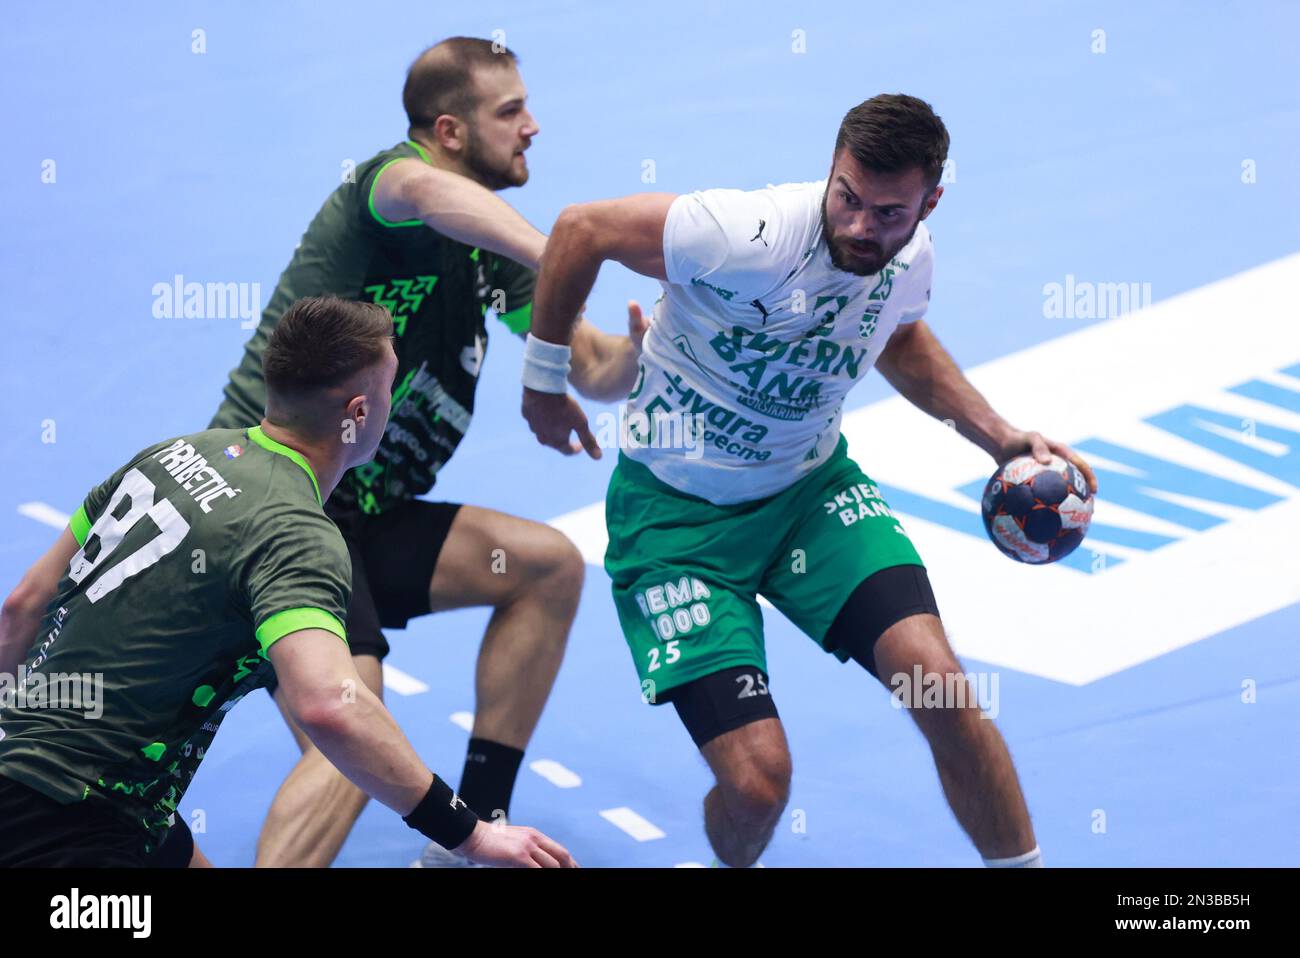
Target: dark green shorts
<point>687,573</point>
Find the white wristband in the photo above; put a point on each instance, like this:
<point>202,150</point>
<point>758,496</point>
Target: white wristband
<point>546,366</point>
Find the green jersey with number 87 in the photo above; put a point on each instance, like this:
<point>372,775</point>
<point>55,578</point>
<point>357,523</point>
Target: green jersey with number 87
<point>196,556</point>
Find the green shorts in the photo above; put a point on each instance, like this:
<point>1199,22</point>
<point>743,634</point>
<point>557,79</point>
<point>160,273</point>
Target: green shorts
<point>687,573</point>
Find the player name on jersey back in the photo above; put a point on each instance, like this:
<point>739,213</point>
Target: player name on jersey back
<point>757,339</point>
<point>191,470</point>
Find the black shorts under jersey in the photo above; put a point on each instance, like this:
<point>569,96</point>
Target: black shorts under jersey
<point>37,831</point>
<point>393,558</point>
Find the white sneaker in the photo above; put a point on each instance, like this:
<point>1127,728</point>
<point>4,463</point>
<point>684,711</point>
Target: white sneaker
<point>435,856</point>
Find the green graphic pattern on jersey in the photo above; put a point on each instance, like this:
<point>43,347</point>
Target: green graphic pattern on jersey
<point>438,291</point>
<point>196,556</point>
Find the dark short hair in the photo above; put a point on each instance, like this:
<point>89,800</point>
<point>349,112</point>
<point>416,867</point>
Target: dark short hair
<point>893,132</point>
<point>441,80</point>
<point>321,342</point>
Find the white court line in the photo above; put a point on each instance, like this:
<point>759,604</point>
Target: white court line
<point>463,719</point>
<point>401,683</point>
<point>690,865</point>
<point>43,512</point>
<point>632,823</point>
<point>555,773</point>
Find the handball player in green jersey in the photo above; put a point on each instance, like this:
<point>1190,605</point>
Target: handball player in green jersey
<point>185,578</point>
<point>776,302</point>
<point>418,229</point>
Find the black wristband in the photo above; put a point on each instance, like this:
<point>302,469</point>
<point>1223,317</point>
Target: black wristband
<point>442,816</point>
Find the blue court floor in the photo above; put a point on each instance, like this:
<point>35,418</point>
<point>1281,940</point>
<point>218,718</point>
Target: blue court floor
<point>1151,705</point>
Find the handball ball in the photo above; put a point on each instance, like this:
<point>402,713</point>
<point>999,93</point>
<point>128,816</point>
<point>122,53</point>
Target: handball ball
<point>1037,513</point>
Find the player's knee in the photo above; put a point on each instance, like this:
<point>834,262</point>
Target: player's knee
<point>558,569</point>
<point>570,568</point>
<point>757,793</point>
<point>951,719</point>
<point>757,800</point>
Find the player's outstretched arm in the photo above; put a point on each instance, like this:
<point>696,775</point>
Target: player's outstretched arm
<point>351,727</point>
<point>917,365</point>
<point>628,230</point>
<point>20,617</point>
<point>457,207</point>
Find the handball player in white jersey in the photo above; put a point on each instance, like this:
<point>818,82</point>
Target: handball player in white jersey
<point>734,480</point>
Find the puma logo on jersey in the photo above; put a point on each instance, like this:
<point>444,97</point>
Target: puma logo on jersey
<point>762,224</point>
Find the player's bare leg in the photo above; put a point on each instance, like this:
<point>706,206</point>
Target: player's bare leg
<point>315,807</point>
<point>752,767</point>
<point>974,765</point>
<point>531,575</point>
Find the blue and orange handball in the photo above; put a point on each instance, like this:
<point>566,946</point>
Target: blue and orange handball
<point>1037,513</point>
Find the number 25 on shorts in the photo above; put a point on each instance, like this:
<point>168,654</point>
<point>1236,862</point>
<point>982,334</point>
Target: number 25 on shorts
<point>671,655</point>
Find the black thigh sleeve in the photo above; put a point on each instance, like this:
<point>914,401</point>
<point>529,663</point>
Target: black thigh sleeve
<point>879,601</point>
<point>722,702</point>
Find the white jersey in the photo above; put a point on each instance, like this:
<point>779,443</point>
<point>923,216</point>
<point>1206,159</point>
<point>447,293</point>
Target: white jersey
<point>757,339</point>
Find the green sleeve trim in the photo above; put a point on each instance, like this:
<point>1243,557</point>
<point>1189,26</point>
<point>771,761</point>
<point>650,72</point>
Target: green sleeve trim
<point>295,620</point>
<point>371,198</point>
<point>518,320</point>
<point>80,525</point>
<point>266,442</point>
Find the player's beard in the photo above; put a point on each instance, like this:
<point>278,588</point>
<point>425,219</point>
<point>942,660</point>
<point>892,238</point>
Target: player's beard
<point>841,259</point>
<point>491,175</point>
